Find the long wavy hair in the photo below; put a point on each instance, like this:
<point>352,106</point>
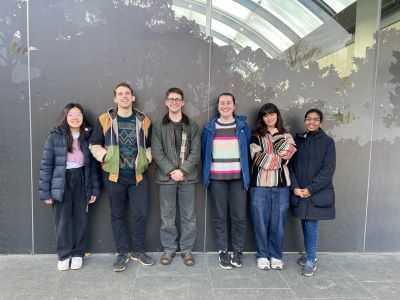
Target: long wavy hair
<point>261,127</point>
<point>62,120</point>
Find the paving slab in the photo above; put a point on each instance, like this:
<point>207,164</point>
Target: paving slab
<point>173,287</point>
<point>338,276</point>
<point>330,280</point>
<point>248,276</point>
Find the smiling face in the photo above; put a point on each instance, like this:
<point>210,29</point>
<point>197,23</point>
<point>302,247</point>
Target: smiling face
<point>270,119</point>
<point>123,97</point>
<point>226,106</point>
<point>74,119</point>
<point>174,102</point>
<point>312,122</point>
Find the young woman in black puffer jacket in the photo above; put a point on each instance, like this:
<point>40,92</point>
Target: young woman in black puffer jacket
<point>69,182</point>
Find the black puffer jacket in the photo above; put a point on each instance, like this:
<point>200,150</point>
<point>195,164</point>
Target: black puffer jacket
<point>53,166</point>
<point>312,167</point>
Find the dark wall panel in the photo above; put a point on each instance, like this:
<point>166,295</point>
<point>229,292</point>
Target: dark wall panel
<point>84,49</point>
<point>257,78</point>
<point>15,183</point>
<point>79,50</point>
<point>383,204</point>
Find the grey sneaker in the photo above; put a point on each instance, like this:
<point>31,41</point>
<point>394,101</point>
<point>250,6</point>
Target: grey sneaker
<point>143,258</point>
<point>120,263</point>
<point>308,270</point>
<point>236,258</point>
<point>224,260</point>
<point>302,260</point>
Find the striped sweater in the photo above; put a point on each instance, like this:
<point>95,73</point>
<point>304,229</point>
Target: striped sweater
<point>225,163</point>
<point>270,155</point>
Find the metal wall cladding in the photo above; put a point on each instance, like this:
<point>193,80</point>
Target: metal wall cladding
<point>79,50</point>
<point>15,195</point>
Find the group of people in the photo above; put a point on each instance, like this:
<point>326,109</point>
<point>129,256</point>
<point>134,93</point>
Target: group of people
<point>278,170</point>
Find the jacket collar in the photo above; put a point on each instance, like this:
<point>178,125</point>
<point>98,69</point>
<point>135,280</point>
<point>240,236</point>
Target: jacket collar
<point>185,119</point>
<point>312,135</point>
<point>112,112</point>
<point>240,122</point>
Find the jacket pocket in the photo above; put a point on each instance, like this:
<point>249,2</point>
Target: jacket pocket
<point>323,198</point>
<point>294,200</point>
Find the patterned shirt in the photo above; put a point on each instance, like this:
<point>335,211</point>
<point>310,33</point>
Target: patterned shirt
<point>127,144</point>
<point>225,163</point>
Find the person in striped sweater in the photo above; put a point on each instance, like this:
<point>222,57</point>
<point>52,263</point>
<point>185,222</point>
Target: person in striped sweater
<point>225,156</point>
<point>271,148</point>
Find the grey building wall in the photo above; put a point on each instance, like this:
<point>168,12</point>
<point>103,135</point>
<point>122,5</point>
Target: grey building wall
<point>79,50</point>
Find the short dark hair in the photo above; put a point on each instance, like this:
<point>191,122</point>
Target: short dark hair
<point>124,84</point>
<point>174,90</point>
<point>227,94</point>
<point>315,110</point>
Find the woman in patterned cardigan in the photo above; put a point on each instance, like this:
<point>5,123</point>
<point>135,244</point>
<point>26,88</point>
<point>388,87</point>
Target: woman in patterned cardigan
<point>271,147</point>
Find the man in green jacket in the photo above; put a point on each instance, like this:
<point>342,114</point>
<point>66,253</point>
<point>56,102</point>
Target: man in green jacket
<point>176,151</point>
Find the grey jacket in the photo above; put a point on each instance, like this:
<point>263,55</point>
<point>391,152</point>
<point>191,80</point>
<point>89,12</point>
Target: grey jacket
<point>164,151</point>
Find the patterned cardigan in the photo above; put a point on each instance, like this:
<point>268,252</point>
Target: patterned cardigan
<point>270,155</point>
<point>104,143</point>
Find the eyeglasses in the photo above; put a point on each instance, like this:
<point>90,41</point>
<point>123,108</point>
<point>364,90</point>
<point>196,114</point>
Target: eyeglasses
<point>315,120</point>
<point>175,100</point>
<point>74,115</point>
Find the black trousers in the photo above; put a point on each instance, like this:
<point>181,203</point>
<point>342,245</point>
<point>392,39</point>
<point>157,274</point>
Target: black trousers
<point>232,194</point>
<point>119,194</point>
<point>71,213</point>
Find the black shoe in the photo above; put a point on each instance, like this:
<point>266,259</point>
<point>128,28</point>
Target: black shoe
<point>303,259</point>
<point>143,258</point>
<point>308,270</point>
<point>236,258</point>
<point>224,260</point>
<point>120,262</point>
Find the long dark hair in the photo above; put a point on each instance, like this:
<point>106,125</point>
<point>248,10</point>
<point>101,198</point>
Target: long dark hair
<point>62,120</point>
<point>261,127</point>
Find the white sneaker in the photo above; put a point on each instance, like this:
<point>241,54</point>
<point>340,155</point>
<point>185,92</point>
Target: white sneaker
<point>263,263</point>
<point>76,263</point>
<point>276,264</point>
<point>63,265</point>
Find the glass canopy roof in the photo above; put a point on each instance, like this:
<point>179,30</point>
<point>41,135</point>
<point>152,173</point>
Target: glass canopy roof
<point>272,25</point>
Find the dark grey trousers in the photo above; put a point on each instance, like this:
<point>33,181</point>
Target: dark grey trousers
<point>168,230</point>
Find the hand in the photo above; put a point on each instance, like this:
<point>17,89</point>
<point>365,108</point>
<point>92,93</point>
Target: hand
<point>306,193</point>
<point>49,201</point>
<point>92,199</point>
<point>177,175</point>
<point>297,192</point>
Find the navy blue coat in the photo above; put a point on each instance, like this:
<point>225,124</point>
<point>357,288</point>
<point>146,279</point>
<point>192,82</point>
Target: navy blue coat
<point>312,167</point>
<point>53,166</point>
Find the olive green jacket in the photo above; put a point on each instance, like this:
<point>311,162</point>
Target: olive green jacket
<point>164,152</point>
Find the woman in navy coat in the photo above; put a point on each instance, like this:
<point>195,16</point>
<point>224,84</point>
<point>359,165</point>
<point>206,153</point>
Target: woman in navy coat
<point>311,173</point>
<point>69,182</point>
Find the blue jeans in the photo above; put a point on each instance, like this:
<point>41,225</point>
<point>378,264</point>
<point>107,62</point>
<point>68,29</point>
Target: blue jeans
<point>269,206</point>
<point>71,212</point>
<point>310,233</point>
<point>168,230</point>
